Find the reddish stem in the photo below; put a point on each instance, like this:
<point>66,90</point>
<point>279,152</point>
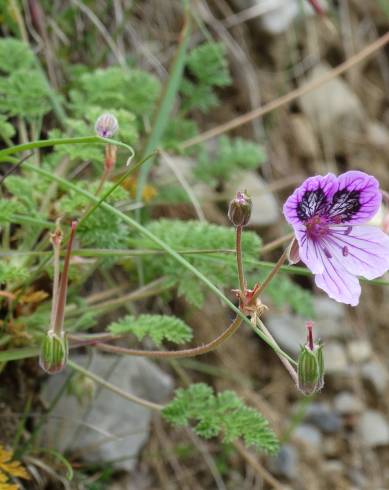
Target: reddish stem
<point>63,284</point>
<point>316,7</point>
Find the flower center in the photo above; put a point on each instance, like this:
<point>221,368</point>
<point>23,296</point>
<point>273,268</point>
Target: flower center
<point>317,227</point>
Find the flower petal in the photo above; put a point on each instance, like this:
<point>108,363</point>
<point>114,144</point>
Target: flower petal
<point>356,199</point>
<point>339,284</point>
<point>361,250</point>
<point>308,250</point>
<point>312,197</point>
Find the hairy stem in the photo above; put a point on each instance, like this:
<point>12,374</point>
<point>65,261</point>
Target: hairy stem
<point>242,282</point>
<point>285,362</point>
<point>161,354</point>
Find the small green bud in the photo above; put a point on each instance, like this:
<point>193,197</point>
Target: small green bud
<point>54,353</point>
<point>83,388</point>
<point>239,210</point>
<point>310,365</point>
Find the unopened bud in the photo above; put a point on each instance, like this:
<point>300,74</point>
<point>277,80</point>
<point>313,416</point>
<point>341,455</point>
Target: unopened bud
<point>106,125</point>
<point>310,365</point>
<point>239,210</point>
<point>54,353</point>
<point>293,252</point>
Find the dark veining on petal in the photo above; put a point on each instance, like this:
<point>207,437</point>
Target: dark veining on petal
<point>345,251</point>
<point>313,203</point>
<point>345,204</point>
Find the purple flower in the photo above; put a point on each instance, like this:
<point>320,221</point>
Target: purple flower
<point>328,215</point>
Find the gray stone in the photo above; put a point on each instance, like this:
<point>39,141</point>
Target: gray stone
<point>375,374</point>
<point>277,15</point>
<point>333,109</point>
<point>330,319</point>
<point>323,417</point>
<point>335,359</point>
<point>289,331</point>
<point>285,463</point>
<point>359,350</point>
<point>265,210</point>
<point>373,429</point>
<point>346,403</point>
<point>309,435</point>
<point>106,427</point>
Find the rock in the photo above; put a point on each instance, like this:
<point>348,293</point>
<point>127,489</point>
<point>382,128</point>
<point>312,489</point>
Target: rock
<point>335,360</point>
<point>375,374</point>
<point>289,331</point>
<point>107,427</point>
<point>359,350</point>
<point>333,109</point>
<point>346,403</point>
<point>277,15</point>
<point>373,429</point>
<point>285,463</point>
<point>309,435</point>
<point>265,210</point>
<point>321,415</point>
<point>330,319</point>
<point>304,138</point>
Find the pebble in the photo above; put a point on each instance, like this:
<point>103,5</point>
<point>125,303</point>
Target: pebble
<point>359,350</point>
<point>373,429</point>
<point>346,403</point>
<point>335,359</point>
<point>289,331</point>
<point>285,464</point>
<point>323,417</point>
<point>375,374</point>
<point>309,435</point>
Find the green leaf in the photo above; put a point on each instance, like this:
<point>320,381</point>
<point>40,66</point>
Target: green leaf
<point>12,273</point>
<point>231,155</point>
<point>192,235</point>
<point>115,88</point>
<point>208,63</point>
<point>223,414</point>
<point>157,327</point>
<point>15,55</point>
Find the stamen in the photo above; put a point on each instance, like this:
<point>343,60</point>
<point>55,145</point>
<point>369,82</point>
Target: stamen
<point>345,251</point>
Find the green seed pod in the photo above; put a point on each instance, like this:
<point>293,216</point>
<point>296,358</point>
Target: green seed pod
<point>54,353</point>
<point>239,210</point>
<point>310,369</point>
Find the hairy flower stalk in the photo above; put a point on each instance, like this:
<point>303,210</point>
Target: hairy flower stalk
<point>310,365</point>
<point>106,126</point>
<point>54,348</point>
<point>329,215</point>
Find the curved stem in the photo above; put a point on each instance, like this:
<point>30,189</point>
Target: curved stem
<point>161,354</point>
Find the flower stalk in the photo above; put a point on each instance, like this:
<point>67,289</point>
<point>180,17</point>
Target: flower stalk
<point>54,349</point>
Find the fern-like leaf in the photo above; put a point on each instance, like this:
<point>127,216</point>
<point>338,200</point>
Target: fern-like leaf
<point>188,235</point>
<point>224,413</point>
<point>157,327</point>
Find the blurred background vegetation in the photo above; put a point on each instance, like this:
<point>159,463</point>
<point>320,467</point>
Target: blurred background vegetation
<point>178,76</point>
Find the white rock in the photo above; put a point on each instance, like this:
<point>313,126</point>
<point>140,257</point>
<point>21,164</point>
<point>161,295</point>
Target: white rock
<point>359,350</point>
<point>373,429</point>
<point>109,427</point>
<point>335,359</point>
<point>277,15</point>
<point>265,210</point>
<point>346,403</point>
<point>376,374</point>
<point>333,108</point>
